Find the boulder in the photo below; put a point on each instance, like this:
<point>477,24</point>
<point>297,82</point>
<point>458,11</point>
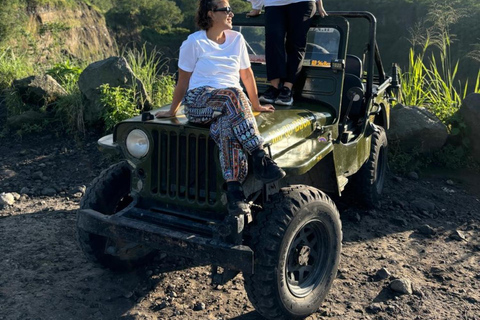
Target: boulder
<point>6,199</point>
<point>115,72</point>
<point>3,113</point>
<point>39,90</point>
<point>415,129</point>
<point>470,112</point>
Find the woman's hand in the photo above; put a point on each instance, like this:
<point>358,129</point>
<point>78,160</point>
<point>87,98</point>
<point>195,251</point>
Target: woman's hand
<point>264,108</point>
<point>253,13</point>
<point>321,11</point>
<point>164,114</point>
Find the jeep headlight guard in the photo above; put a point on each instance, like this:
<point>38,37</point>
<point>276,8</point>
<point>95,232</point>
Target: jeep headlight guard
<point>137,143</point>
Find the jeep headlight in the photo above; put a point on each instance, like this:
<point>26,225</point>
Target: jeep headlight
<point>137,143</point>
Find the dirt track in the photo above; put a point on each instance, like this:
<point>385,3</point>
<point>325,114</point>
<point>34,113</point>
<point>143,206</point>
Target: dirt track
<point>44,275</point>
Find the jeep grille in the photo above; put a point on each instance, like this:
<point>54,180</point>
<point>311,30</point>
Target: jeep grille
<point>184,167</point>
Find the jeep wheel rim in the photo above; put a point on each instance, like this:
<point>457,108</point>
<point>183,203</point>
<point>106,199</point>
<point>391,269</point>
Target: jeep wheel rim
<point>307,257</point>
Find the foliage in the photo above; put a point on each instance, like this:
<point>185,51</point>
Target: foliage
<point>162,91</point>
<point>120,104</point>
<point>137,15</point>
<point>151,69</point>
<point>432,83</point>
<point>11,19</point>
<point>65,73</point>
<point>69,111</point>
<point>69,108</point>
<point>12,66</point>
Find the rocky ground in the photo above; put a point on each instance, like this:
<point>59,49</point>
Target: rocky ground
<point>416,257</point>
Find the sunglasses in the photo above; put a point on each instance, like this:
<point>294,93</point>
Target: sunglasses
<point>227,10</point>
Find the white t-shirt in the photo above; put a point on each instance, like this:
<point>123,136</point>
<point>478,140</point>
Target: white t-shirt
<point>212,64</point>
<point>257,4</point>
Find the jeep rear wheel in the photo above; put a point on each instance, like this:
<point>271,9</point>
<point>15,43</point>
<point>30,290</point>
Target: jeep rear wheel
<point>108,194</point>
<point>296,241</point>
<point>370,178</point>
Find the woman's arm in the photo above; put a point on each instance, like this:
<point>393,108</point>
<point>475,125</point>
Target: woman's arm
<point>249,82</point>
<point>178,94</point>
<point>320,9</point>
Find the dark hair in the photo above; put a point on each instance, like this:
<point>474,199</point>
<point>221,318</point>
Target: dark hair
<point>202,19</point>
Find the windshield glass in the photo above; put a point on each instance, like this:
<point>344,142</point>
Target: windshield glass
<point>322,45</point>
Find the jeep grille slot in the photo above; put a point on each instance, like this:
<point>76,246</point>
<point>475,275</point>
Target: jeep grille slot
<point>183,168</point>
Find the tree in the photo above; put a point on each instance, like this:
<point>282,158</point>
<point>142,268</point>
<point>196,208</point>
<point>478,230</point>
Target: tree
<point>156,14</point>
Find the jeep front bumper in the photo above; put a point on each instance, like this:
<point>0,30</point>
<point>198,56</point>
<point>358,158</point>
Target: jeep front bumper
<point>154,235</point>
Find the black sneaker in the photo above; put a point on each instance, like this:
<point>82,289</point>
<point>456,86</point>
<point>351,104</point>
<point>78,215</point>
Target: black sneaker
<point>236,199</point>
<point>285,97</point>
<point>264,168</point>
<point>269,95</point>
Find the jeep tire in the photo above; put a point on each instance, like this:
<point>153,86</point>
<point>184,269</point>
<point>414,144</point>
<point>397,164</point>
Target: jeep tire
<point>108,194</point>
<point>297,242</point>
<point>369,181</point>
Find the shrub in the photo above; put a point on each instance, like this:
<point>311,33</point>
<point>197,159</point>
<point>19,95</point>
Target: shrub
<point>13,66</point>
<point>65,73</point>
<point>120,104</point>
<point>151,69</point>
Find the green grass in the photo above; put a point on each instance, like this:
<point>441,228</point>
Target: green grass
<point>13,66</point>
<point>151,69</point>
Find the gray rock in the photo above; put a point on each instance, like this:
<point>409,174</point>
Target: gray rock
<point>427,230</point>
<point>37,175</point>
<point>6,199</point>
<point>375,308</point>
<point>39,90</point>
<point>416,129</point>
<point>79,189</point>
<point>382,274</point>
<point>403,286</point>
<point>7,173</point>
<point>458,235</point>
<point>16,196</point>
<point>450,182</point>
<point>49,192</point>
<point>470,112</point>
<point>25,190</point>
<point>115,72</point>
<point>399,221</point>
<point>398,179</point>
<point>422,205</point>
<point>413,175</point>
<point>199,306</point>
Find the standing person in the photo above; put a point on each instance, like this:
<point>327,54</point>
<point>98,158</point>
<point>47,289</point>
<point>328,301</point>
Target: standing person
<point>211,64</point>
<point>286,26</point>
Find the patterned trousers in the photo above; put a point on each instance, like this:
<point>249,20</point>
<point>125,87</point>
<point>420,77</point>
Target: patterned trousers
<point>232,126</point>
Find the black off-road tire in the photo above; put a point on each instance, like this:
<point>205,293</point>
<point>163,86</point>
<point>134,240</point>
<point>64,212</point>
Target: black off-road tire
<point>369,180</point>
<point>298,222</point>
<point>108,194</point>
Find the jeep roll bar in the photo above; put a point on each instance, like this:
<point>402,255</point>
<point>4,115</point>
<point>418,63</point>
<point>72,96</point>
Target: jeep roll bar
<point>373,51</point>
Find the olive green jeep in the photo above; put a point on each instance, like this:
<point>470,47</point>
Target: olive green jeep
<point>168,194</point>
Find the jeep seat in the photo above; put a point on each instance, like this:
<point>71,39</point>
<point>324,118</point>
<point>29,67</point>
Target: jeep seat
<point>354,65</point>
<point>353,78</point>
<point>351,81</point>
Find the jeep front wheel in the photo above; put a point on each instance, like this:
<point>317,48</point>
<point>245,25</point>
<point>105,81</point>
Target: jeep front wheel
<point>108,194</point>
<point>296,241</point>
